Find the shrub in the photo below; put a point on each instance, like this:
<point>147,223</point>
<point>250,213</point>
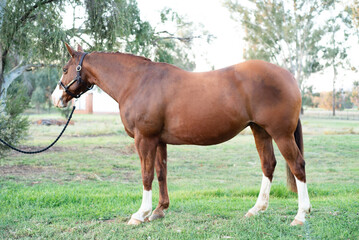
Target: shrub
<point>13,126</point>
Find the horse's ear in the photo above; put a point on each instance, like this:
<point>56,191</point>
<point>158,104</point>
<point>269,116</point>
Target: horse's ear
<point>70,50</point>
<point>79,48</point>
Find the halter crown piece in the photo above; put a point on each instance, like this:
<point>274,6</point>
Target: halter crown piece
<point>78,78</point>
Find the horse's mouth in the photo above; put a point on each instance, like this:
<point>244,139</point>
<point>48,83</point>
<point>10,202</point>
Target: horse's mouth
<point>60,104</point>
<point>57,98</point>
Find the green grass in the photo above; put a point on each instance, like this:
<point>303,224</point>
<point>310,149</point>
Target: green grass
<point>89,184</point>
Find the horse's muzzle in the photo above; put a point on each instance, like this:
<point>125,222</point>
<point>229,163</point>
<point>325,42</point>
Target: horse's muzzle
<point>56,98</point>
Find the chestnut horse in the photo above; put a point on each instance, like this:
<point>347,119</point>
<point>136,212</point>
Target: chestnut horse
<point>161,104</point>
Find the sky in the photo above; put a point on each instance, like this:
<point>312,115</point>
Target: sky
<point>225,50</point>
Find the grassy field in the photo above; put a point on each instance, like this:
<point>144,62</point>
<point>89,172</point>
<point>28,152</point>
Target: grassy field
<point>88,185</point>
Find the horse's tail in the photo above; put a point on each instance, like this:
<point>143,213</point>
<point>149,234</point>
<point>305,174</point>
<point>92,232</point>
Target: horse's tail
<point>298,135</point>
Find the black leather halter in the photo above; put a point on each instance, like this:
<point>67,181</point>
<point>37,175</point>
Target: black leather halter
<point>78,78</point>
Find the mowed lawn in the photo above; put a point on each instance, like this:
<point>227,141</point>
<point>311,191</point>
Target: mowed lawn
<point>88,185</point>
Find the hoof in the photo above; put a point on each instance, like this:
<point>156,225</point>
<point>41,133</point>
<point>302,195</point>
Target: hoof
<point>157,214</point>
<point>249,214</point>
<point>297,222</point>
<point>134,222</point>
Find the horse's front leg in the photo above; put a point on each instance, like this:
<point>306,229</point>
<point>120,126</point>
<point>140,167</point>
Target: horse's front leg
<point>161,170</point>
<point>146,148</point>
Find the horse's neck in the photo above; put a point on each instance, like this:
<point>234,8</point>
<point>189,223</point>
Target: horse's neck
<point>116,74</point>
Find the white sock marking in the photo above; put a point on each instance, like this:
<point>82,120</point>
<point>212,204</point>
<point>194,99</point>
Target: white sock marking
<point>263,197</point>
<point>146,206</point>
<point>303,200</point>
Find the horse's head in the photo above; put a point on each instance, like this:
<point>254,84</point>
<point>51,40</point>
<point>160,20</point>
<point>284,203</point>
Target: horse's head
<point>73,82</point>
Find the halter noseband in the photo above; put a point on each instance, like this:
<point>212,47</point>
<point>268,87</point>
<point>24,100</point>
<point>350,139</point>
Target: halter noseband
<point>78,78</point>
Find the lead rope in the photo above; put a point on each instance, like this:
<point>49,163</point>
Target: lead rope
<point>42,150</point>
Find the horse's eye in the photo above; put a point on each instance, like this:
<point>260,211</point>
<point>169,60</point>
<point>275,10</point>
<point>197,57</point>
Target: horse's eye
<point>64,70</point>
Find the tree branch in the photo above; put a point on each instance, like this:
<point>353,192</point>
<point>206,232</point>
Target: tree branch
<point>33,8</point>
<point>23,19</point>
<point>16,72</point>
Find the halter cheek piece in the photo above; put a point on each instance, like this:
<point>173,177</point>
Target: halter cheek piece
<point>78,78</point>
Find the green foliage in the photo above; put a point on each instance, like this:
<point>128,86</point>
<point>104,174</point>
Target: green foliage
<point>13,126</point>
<point>352,8</point>
<point>354,97</point>
<point>38,97</point>
<point>30,33</point>
<point>307,98</point>
<point>23,32</point>
<point>116,24</point>
<point>111,22</point>
<point>43,81</point>
<point>335,50</point>
<point>165,46</point>
<point>172,47</point>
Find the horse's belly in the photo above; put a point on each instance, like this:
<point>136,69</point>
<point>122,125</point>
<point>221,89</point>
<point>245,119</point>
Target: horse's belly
<point>202,131</point>
<point>204,115</point>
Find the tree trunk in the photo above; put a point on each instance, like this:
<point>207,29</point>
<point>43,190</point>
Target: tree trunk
<point>334,78</point>
<point>10,77</point>
<point>2,63</point>
<point>333,101</point>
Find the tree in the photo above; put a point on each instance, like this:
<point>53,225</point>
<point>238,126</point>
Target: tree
<point>140,37</point>
<point>335,50</point>
<point>13,126</point>
<point>172,47</point>
<point>308,97</point>
<point>42,82</point>
<point>353,9</point>
<point>352,23</point>
<point>283,32</point>
<point>355,94</point>
<point>38,97</point>
<point>24,43</point>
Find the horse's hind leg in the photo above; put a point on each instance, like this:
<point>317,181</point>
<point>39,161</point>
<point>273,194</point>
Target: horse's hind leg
<point>290,151</point>
<point>265,150</point>
<point>161,170</point>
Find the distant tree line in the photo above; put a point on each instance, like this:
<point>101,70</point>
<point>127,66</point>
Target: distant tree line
<point>344,99</point>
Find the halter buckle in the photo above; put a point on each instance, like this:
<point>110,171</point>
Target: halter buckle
<point>78,68</point>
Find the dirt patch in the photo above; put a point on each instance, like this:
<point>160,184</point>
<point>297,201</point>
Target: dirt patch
<point>126,150</point>
<point>25,170</point>
<point>49,122</point>
<point>130,149</point>
<point>87,176</point>
<point>26,173</point>
<point>33,148</point>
